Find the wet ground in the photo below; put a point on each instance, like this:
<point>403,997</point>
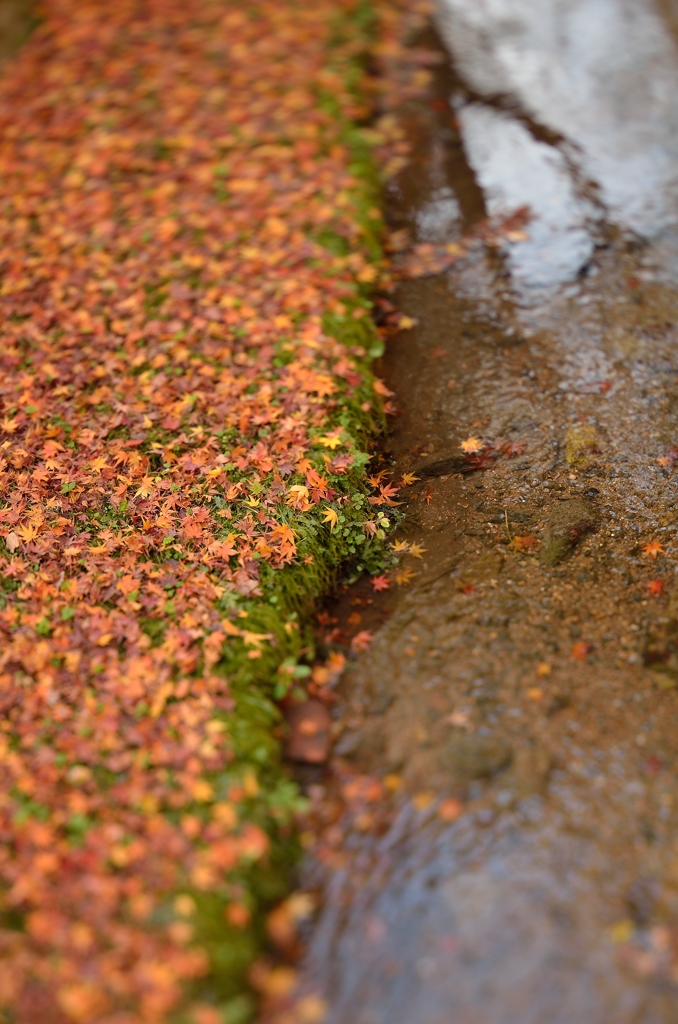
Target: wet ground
<point>496,841</point>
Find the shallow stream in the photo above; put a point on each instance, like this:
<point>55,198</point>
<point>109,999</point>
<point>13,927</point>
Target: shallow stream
<point>505,849</point>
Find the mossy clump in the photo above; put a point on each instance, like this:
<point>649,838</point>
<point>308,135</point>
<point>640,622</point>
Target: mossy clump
<point>569,521</point>
<point>581,446</point>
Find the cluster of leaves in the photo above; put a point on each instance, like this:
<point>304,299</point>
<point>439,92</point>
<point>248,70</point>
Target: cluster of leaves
<point>186,247</point>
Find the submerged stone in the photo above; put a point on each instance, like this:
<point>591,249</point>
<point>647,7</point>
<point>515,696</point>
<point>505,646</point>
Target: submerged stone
<point>569,521</point>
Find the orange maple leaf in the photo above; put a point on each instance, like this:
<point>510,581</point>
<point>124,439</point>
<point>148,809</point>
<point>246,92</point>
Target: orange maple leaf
<point>361,641</point>
<point>653,548</point>
<point>529,543</point>
<point>471,445</point>
<point>580,650</point>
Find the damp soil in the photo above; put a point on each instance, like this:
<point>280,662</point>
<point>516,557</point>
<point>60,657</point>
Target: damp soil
<point>495,840</point>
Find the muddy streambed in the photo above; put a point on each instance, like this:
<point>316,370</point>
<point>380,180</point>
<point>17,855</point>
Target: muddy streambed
<point>505,850</point>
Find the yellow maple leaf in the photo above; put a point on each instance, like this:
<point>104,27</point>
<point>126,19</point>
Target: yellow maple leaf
<point>330,441</point>
<point>27,533</point>
<point>471,445</point>
<point>255,639</point>
<point>331,517</point>
<point>403,576</point>
<point>146,488</point>
<point>417,551</point>
<point>408,479</point>
<point>400,545</point>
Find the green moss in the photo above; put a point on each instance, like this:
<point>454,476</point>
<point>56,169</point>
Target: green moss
<point>581,446</point>
<point>284,611</point>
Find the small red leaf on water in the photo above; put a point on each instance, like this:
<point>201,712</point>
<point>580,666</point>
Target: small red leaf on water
<point>655,587</point>
<point>653,548</point>
<point>361,641</point>
<point>580,650</point>
<point>381,583</point>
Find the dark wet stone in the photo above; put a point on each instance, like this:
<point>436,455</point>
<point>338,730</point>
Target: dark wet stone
<point>467,758</point>
<point>450,464</point>
<point>569,521</point>
<point>642,897</point>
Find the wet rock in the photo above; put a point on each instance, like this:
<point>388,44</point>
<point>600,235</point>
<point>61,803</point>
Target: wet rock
<point>641,900</point>
<point>450,464</point>
<point>569,521</point>
<point>488,566</point>
<point>532,766</point>
<point>467,758</point>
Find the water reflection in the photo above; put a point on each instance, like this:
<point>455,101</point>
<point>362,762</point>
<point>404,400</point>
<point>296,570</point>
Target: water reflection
<point>602,75</point>
<point>514,170</point>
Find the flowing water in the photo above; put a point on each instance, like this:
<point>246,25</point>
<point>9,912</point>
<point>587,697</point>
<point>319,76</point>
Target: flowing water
<point>504,845</point>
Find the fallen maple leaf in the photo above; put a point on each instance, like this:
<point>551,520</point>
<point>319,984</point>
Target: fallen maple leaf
<point>655,587</point>
<point>408,479</point>
<point>381,582</point>
<point>471,445</point>
<point>653,548</point>
<point>403,576</point>
<point>330,441</point>
<point>417,551</point>
<point>331,517</point>
<point>580,650</point>
<point>400,545</point>
<point>528,543</point>
<point>361,641</point>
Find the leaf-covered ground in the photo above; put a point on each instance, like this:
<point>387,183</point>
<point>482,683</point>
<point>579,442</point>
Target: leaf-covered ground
<point>187,242</point>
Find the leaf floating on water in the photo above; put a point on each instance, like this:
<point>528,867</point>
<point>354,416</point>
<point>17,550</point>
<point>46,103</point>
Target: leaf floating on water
<point>417,551</point>
<point>361,641</point>
<point>653,548</point>
<point>472,445</point>
<point>580,651</point>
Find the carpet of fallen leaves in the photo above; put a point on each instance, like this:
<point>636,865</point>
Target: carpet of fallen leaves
<point>184,396</point>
